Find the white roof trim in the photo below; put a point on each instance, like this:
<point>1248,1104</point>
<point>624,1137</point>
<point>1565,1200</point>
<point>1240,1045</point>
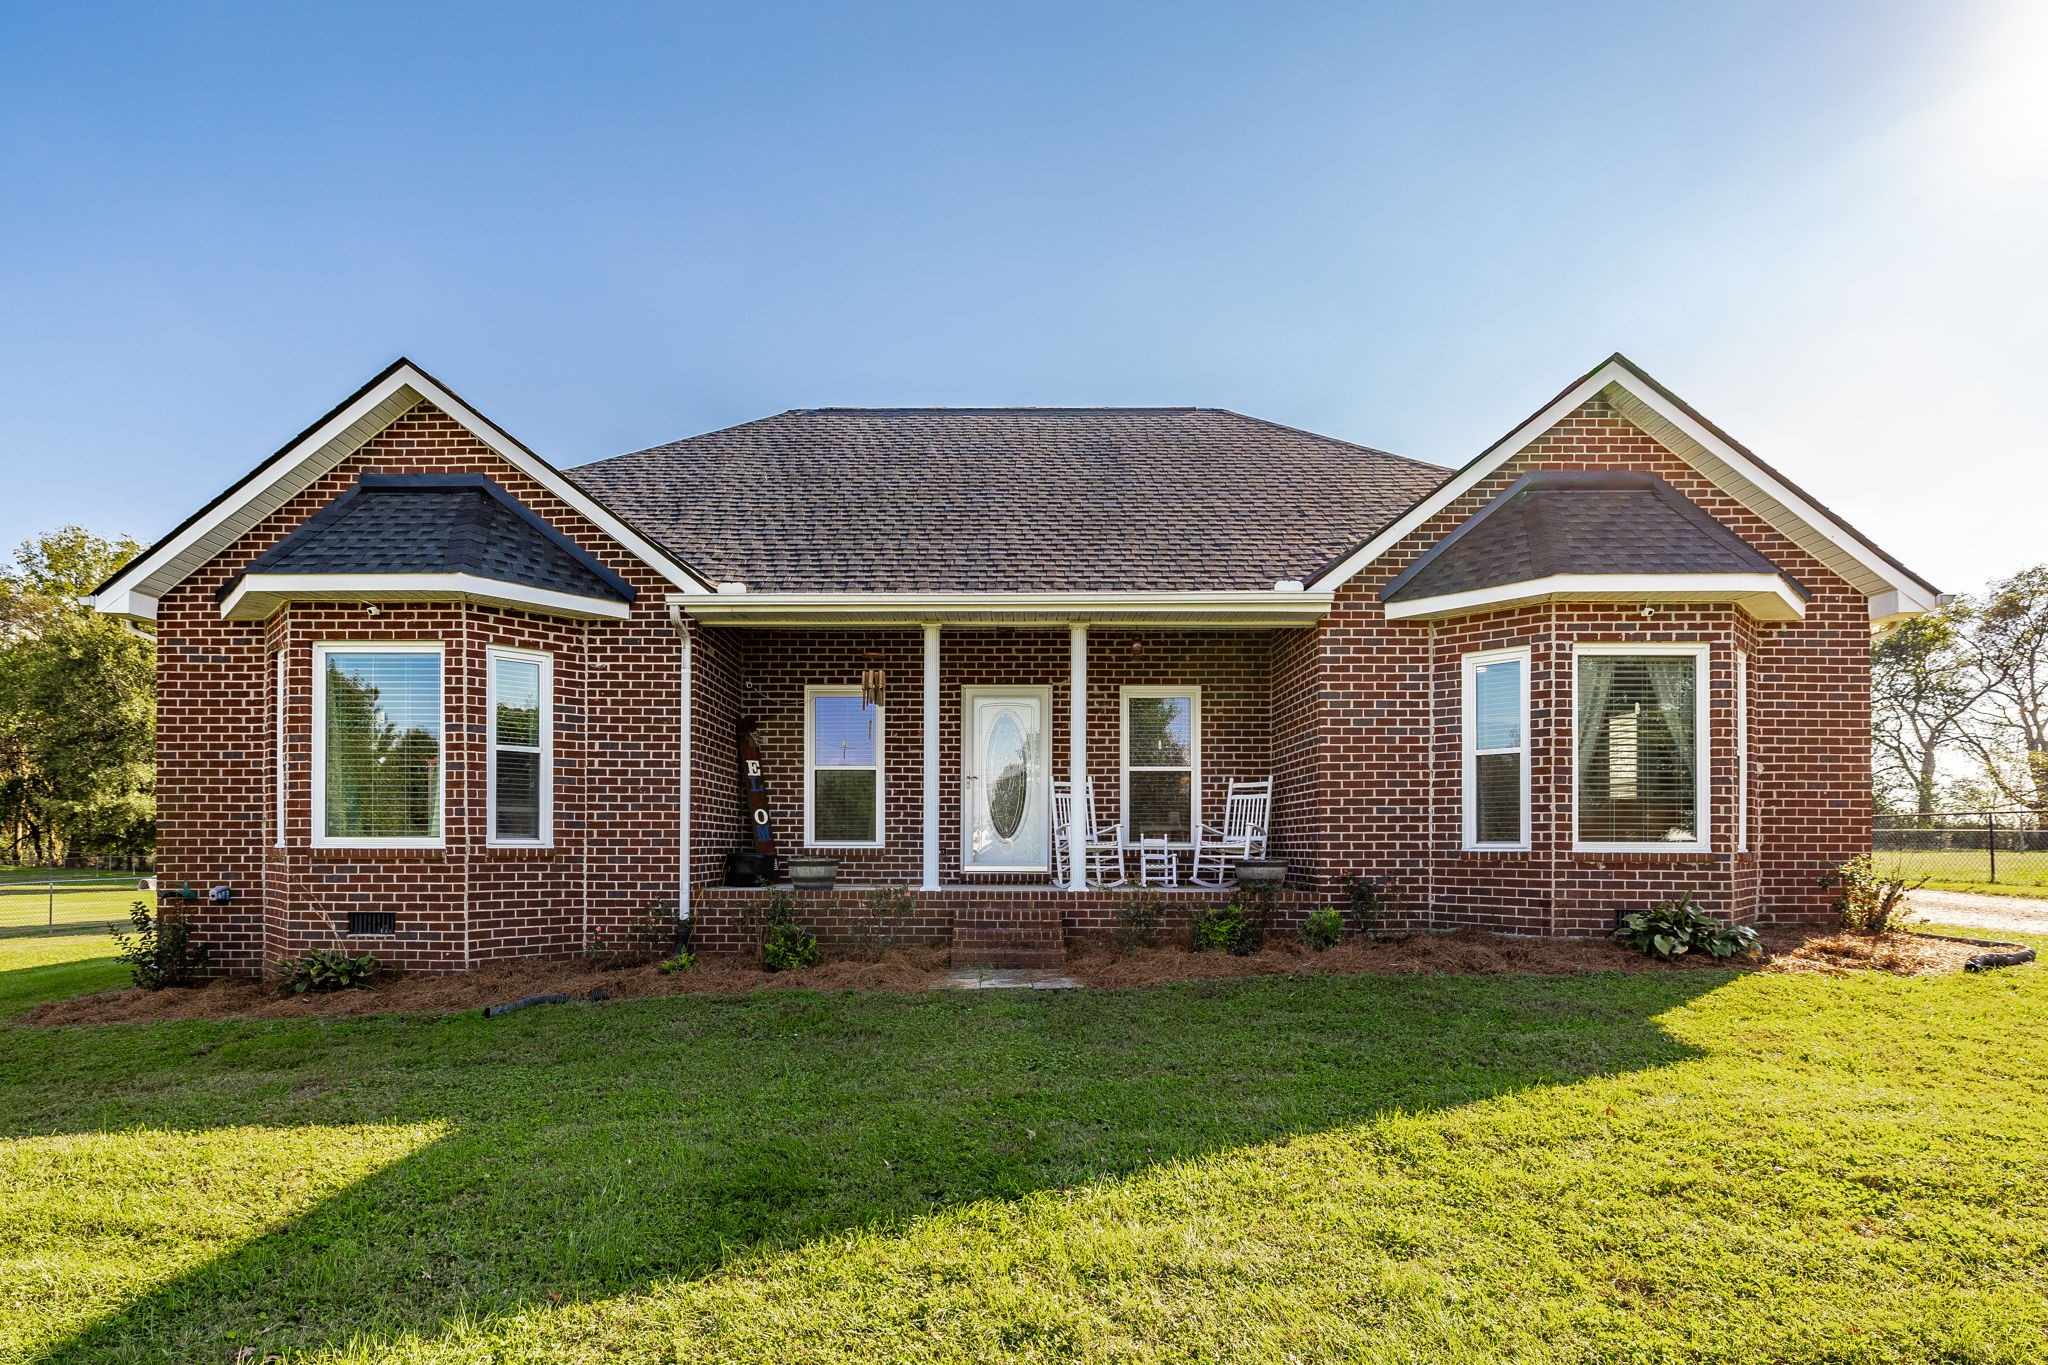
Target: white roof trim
<point>133,592</point>
<point>1733,470</point>
<point>1765,596</point>
<point>1262,608</point>
<point>256,596</point>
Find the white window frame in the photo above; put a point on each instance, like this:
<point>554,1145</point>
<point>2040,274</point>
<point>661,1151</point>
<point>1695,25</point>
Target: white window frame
<point>1468,743</point>
<point>1742,751</point>
<point>1124,768</point>
<point>811,694</point>
<point>319,836</point>
<point>546,749</point>
<point>283,769</point>
<point>1703,739</point>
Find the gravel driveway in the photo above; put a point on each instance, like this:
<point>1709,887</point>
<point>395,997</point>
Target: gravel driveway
<point>2014,914</point>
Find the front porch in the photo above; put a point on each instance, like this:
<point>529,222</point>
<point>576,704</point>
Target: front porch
<point>1159,722</point>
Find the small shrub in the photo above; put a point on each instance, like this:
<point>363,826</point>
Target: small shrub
<point>884,916</point>
<point>1323,929</point>
<point>1232,928</point>
<point>1671,929</point>
<point>1368,897</point>
<point>788,947</point>
<point>1870,903</point>
<point>161,952</point>
<point>1136,919</point>
<point>323,969</point>
<point>681,962</point>
<point>647,937</point>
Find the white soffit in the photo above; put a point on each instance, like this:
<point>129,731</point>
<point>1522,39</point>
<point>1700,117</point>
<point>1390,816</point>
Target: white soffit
<point>1764,596</point>
<point>258,595</point>
<point>133,593</point>
<point>1258,609</point>
<point>1783,507</point>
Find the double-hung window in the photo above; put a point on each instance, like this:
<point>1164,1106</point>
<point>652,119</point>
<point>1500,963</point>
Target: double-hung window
<point>1496,741</point>
<point>1162,762</point>
<point>842,769</point>
<point>1642,748</point>
<point>521,777</point>
<point>377,758</point>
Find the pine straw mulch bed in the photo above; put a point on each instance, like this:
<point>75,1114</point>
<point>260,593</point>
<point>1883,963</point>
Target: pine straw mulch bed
<point>1097,964</point>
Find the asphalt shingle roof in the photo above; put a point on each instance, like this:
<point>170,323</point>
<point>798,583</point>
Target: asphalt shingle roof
<point>1008,499</point>
<point>1570,522</point>
<point>437,524</point>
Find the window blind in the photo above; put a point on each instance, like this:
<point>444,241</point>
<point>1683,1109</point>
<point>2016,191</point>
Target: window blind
<point>1638,746</point>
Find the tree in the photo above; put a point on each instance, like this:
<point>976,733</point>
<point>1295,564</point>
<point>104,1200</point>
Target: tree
<point>2008,634</point>
<point>77,706</point>
<point>1923,691</point>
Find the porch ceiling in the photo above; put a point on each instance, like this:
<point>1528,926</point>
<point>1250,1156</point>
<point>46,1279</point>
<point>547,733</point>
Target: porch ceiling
<point>1258,610</point>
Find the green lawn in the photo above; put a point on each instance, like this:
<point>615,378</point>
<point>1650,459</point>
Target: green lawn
<point>1687,1166</point>
<point>32,898</point>
<point>2019,874</point>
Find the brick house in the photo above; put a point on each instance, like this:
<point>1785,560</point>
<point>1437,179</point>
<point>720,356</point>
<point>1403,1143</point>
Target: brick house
<point>422,691</point>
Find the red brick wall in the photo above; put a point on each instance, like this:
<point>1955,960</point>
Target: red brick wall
<point>617,732</point>
<point>1389,694</point>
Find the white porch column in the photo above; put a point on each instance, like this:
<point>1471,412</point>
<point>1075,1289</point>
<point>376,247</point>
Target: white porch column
<point>1077,757</point>
<point>931,757</point>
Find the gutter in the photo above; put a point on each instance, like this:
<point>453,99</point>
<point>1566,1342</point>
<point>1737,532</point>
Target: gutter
<point>683,757</point>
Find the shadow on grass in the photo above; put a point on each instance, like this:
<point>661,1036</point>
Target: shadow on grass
<point>595,1149</point>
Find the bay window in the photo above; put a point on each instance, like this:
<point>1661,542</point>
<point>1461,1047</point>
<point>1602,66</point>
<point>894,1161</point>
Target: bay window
<point>521,760</point>
<point>1642,748</point>
<point>842,769</point>
<point>377,756</point>
<point>1496,741</point>
<point>1162,767</point>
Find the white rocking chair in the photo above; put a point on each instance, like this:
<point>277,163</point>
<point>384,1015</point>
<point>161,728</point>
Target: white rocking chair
<point>1105,848</point>
<point>1246,811</point>
<point>1062,826</point>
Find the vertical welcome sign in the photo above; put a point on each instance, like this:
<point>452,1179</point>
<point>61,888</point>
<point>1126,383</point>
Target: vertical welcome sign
<point>754,789</point>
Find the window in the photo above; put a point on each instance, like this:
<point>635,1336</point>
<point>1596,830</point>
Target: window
<point>521,774</point>
<point>1496,730</point>
<point>1642,731</point>
<point>377,745</point>
<point>1162,753</point>
<point>843,769</point>
<point>1741,751</point>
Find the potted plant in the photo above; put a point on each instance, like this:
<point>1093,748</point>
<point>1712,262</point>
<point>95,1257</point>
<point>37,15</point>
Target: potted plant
<point>807,873</point>
<point>1262,872</point>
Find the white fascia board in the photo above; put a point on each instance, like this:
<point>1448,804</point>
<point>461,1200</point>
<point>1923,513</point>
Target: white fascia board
<point>257,596</point>
<point>1765,596</point>
<point>1461,483</point>
<point>1263,607</point>
<point>1616,375</point>
<point>326,446</point>
<point>126,604</point>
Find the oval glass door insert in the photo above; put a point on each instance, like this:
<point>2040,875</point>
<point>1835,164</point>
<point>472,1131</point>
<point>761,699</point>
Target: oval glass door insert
<point>1009,788</point>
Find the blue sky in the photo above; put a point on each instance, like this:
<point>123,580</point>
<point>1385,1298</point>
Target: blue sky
<point>609,226</point>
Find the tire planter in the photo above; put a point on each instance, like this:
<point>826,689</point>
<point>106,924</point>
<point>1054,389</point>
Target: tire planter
<point>813,874</point>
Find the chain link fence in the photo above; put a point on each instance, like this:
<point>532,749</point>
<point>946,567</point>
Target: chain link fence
<point>50,900</point>
<point>1964,849</point>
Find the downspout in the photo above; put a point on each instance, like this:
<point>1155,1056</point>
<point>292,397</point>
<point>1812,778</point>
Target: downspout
<point>675,619</point>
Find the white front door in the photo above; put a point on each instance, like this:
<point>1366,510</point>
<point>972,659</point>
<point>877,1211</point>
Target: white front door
<point>1003,789</point>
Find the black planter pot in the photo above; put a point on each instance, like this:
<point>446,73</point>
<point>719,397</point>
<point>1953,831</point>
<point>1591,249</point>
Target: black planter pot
<point>1262,873</point>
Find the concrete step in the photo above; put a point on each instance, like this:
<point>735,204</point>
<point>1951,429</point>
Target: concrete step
<point>1008,938</point>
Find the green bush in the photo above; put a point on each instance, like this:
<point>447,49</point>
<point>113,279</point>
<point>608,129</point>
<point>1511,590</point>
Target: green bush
<point>1671,929</point>
<point>1231,928</point>
<point>1368,897</point>
<point>884,916</point>
<point>1323,928</point>
<point>644,938</point>
<point>788,947</point>
<point>323,969</point>
<point>162,952</point>
<point>1870,903</point>
<point>681,962</point>
<point>1135,919</point>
